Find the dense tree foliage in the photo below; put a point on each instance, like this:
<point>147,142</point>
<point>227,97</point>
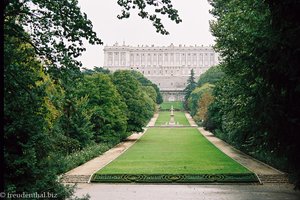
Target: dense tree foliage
<point>140,106</point>
<point>196,95</point>
<point>56,29</point>
<point>150,91</point>
<point>256,105</point>
<point>201,97</point>
<point>212,76</point>
<point>28,119</point>
<point>109,111</point>
<point>190,86</point>
<point>94,70</point>
<point>146,82</point>
<point>51,109</point>
<point>203,104</point>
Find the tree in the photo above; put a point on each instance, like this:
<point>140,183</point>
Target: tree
<point>74,127</point>
<point>56,29</point>
<point>203,104</point>
<point>205,86</point>
<point>59,27</point>
<point>108,109</point>
<point>258,97</point>
<point>150,91</point>
<point>42,41</point>
<point>191,85</point>
<point>212,75</point>
<point>146,82</point>
<point>140,106</point>
<point>196,95</point>
<point>28,119</point>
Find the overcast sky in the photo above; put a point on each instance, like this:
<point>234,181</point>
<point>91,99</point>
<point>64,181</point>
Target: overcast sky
<point>194,28</point>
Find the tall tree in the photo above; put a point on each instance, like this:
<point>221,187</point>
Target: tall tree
<point>41,37</point>
<point>212,75</point>
<point>146,82</point>
<point>57,28</point>
<point>139,104</point>
<point>191,85</point>
<point>108,109</point>
<point>195,97</point>
<point>203,104</point>
<point>258,96</point>
<point>28,119</point>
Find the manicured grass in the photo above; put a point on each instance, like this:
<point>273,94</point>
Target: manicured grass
<point>177,105</point>
<point>181,119</point>
<point>164,116</point>
<point>173,151</point>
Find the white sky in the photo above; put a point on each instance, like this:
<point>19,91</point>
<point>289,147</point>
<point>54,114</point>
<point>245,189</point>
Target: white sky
<point>194,28</point>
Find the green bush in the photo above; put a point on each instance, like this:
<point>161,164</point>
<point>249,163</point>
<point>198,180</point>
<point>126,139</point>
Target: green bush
<point>78,158</point>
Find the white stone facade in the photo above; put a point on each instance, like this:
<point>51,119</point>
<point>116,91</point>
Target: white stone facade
<point>167,66</point>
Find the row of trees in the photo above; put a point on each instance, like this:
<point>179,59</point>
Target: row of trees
<point>199,95</point>
<point>46,119</point>
<point>51,108</point>
<point>255,105</point>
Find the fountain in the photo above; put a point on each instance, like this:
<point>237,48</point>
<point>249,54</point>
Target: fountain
<point>172,122</point>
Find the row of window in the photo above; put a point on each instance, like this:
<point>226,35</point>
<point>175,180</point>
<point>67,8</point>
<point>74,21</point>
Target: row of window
<point>168,72</point>
<point>166,56</point>
<point>159,65</point>
<point>161,59</point>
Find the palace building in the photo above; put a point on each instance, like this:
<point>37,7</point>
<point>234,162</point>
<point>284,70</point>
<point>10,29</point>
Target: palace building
<point>167,66</point>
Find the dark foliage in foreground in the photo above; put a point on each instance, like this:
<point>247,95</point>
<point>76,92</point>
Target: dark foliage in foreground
<point>256,105</point>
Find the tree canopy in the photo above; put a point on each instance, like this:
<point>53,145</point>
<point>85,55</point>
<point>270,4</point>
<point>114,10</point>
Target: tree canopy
<point>29,116</point>
<point>212,75</point>
<point>191,85</point>
<point>109,110</point>
<point>256,102</point>
<point>56,29</point>
<point>51,108</point>
<point>163,7</point>
<point>140,106</point>
<point>196,96</point>
<point>146,82</point>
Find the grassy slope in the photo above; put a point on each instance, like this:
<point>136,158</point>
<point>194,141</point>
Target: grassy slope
<point>177,105</point>
<point>173,151</point>
<point>164,116</point>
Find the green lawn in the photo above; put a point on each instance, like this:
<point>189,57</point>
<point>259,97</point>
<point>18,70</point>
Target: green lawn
<point>177,105</point>
<point>180,117</point>
<point>164,116</point>
<point>173,151</point>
